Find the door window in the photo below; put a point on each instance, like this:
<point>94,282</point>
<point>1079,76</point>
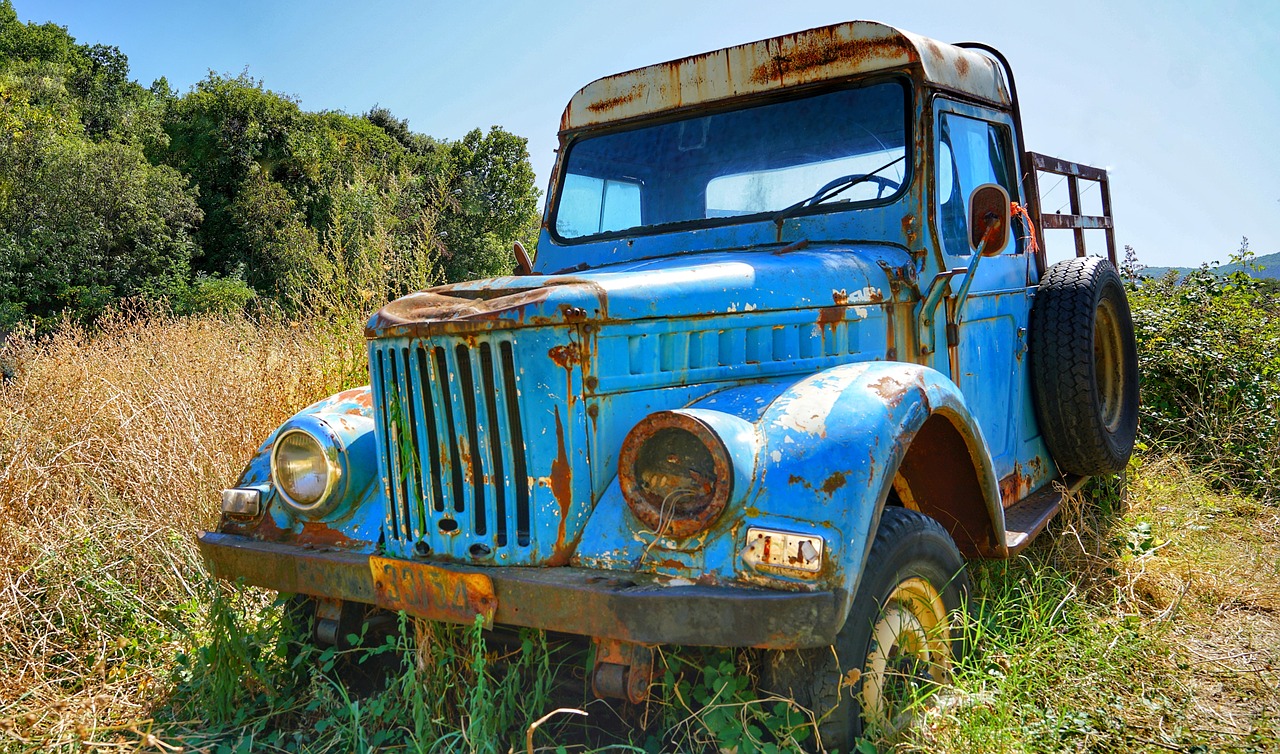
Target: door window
<point>971,152</point>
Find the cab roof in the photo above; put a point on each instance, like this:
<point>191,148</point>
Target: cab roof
<point>827,53</point>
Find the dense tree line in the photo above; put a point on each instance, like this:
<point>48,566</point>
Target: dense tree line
<point>229,192</point>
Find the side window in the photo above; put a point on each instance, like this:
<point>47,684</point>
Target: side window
<point>970,153</point>
<point>597,205</point>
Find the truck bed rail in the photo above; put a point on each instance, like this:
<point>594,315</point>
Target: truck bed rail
<point>1074,173</point>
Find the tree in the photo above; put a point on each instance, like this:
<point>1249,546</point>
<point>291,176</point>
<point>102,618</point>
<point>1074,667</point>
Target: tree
<point>489,177</point>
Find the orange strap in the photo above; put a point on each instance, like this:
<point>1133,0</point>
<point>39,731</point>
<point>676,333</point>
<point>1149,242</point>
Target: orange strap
<point>1017,210</point>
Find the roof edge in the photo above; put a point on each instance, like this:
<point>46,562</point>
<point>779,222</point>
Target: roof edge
<point>825,53</point>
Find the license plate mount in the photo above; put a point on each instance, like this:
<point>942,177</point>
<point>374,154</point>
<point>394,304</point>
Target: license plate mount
<point>429,591</point>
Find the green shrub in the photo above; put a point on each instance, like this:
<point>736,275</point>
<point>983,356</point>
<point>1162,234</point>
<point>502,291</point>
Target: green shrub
<point>1209,358</point>
<point>213,294</point>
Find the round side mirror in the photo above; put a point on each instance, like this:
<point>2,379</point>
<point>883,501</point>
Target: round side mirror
<point>989,219</point>
<point>524,265</point>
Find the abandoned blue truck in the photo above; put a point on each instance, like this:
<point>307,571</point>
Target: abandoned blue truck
<point>790,351</point>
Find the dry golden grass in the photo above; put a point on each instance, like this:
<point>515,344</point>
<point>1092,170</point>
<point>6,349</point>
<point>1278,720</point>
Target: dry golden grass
<point>113,446</point>
<point>1216,578</point>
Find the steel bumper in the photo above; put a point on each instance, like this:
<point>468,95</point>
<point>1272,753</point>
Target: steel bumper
<point>607,604</point>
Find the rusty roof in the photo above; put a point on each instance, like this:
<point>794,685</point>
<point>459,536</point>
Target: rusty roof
<point>822,54</point>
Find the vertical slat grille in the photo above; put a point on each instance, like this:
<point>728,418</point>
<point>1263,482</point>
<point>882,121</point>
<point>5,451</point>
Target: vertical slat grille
<point>517,441</point>
<point>490,390</point>
<point>475,454</point>
<point>429,403</point>
<point>454,452</point>
<point>452,443</point>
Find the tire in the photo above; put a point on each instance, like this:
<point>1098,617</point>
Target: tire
<point>1084,367</point>
<point>911,592</point>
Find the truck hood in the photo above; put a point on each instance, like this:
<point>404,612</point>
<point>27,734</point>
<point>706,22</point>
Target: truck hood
<point>671,287</point>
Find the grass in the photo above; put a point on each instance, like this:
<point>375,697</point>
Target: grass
<point>1146,620</point>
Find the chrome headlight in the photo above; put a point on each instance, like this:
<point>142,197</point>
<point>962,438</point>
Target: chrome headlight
<point>306,469</point>
<point>675,474</point>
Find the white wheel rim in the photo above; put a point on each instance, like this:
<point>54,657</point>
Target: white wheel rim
<point>910,651</point>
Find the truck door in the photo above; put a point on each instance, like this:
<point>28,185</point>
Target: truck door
<point>986,350</point>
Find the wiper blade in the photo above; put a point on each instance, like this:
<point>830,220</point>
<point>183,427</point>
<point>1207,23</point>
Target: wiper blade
<point>831,190</point>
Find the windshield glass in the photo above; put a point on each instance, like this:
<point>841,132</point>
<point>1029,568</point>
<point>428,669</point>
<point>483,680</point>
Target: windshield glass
<point>714,168</point>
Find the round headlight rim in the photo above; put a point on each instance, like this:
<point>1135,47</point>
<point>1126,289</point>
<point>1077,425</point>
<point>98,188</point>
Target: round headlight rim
<point>335,481</point>
<point>638,501</point>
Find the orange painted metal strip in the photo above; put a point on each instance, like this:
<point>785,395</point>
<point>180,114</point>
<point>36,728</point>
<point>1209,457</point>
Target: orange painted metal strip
<point>429,591</point>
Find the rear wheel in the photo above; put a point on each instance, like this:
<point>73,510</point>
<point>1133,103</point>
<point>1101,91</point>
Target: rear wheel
<point>898,644</point>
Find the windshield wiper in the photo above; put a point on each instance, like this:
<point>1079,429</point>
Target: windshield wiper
<point>837,187</point>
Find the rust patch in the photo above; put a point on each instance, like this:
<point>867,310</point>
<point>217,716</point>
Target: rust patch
<point>562,491</point>
<point>793,246</point>
<point>793,479</point>
<point>453,307</point>
<point>361,396</point>
<point>819,52</point>
<point>609,104</point>
<point>320,535</point>
<point>565,356</point>
<point>939,471</point>
<point>840,297</point>
<point>892,390</point>
<point>264,530</point>
<point>962,65</point>
<point>1014,487</point>
<point>890,330</point>
<point>909,229</point>
<point>829,316</point>
<point>834,482</point>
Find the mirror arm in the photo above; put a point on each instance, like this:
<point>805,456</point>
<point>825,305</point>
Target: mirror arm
<point>963,293</point>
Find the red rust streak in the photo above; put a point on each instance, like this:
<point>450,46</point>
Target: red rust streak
<point>612,102</point>
<point>562,490</point>
<point>316,533</point>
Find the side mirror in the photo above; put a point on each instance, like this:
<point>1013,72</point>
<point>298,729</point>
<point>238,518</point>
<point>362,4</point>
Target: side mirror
<point>524,266</point>
<point>989,219</point>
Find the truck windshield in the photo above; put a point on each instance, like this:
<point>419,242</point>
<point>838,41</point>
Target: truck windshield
<point>733,165</point>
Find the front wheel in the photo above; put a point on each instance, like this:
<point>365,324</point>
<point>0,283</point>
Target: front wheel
<point>898,644</point>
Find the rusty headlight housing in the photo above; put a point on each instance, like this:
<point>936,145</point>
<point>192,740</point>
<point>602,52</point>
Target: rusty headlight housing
<point>676,474</point>
<point>307,471</point>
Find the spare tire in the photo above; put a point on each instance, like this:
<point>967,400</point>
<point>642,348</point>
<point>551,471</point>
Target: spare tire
<point>1084,366</point>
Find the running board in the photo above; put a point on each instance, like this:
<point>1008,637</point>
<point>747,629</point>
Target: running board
<point>1024,520</point>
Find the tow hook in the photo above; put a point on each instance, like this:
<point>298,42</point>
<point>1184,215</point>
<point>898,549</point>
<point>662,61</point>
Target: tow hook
<point>622,670</point>
<point>336,620</point>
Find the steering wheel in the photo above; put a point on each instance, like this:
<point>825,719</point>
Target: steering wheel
<point>853,179</point>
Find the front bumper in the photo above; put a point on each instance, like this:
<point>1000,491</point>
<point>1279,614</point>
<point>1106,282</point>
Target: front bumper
<point>617,605</point>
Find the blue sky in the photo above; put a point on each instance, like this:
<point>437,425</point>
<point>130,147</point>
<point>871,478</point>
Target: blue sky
<point>1180,100</point>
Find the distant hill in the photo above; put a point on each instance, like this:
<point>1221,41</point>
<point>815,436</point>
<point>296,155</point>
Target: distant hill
<point>1270,264</point>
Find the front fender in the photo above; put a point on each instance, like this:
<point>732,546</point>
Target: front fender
<point>832,444</point>
<point>814,456</point>
<point>358,523</point>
